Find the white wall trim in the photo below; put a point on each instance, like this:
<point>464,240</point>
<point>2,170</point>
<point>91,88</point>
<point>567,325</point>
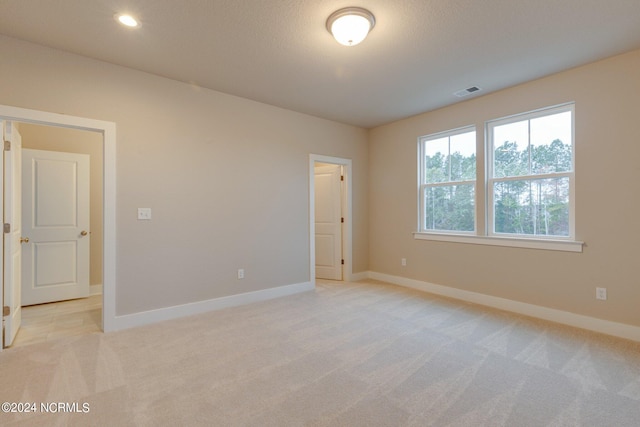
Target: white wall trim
<point>509,241</point>
<point>168,313</point>
<point>363,275</point>
<point>620,330</point>
<point>108,131</point>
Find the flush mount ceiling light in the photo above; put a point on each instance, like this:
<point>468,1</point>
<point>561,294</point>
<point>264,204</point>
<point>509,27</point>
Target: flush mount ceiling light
<point>349,26</point>
<point>127,20</point>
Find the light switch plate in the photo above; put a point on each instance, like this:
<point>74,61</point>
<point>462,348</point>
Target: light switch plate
<point>144,213</point>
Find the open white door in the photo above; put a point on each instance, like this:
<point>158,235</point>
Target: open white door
<point>328,222</point>
<point>55,216</point>
<point>12,232</point>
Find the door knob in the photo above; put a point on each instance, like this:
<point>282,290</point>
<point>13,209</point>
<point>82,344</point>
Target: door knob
<point>24,240</point>
<point>83,233</point>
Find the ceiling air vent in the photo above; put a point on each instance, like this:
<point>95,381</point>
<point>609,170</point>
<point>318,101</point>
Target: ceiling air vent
<point>467,91</point>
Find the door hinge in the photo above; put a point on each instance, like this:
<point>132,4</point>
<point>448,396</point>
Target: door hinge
<point>341,219</point>
<point>6,227</point>
<point>6,311</point>
<point>341,177</point>
<point>7,146</point>
<point>342,262</point>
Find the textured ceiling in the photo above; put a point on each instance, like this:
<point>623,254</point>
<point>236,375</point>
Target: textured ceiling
<point>279,51</point>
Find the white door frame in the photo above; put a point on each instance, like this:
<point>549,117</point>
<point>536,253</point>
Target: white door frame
<point>108,131</point>
<point>347,252</point>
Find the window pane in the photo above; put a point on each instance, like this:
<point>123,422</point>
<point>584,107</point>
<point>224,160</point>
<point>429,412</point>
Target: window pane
<point>463,157</point>
<point>450,208</point>
<point>511,149</point>
<point>436,153</point>
<point>551,143</point>
<point>537,207</point>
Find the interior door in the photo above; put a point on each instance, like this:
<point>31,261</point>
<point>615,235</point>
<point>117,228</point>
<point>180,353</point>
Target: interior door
<point>328,217</point>
<point>12,232</point>
<point>55,216</point>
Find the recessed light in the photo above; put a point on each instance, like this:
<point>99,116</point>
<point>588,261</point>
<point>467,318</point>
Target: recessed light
<point>127,20</point>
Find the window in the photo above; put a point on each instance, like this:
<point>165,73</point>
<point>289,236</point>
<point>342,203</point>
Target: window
<point>528,184</point>
<point>530,174</point>
<point>448,181</point>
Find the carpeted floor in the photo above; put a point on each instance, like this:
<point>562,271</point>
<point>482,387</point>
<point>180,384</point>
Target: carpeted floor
<point>348,354</point>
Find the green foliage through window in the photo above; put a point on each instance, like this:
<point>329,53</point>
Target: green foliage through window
<point>538,150</point>
<point>448,181</point>
<point>450,208</point>
<point>532,207</point>
<point>529,177</point>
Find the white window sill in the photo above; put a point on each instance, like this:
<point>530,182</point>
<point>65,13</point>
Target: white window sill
<point>513,242</point>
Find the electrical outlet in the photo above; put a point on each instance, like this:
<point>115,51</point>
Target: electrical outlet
<point>241,273</point>
<point>601,293</point>
<point>403,261</point>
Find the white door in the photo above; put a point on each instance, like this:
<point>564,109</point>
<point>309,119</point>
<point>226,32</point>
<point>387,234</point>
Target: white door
<point>55,217</point>
<point>11,235</point>
<point>328,226</point>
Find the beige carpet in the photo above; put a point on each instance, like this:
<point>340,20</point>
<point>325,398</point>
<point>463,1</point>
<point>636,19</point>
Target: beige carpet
<point>354,354</point>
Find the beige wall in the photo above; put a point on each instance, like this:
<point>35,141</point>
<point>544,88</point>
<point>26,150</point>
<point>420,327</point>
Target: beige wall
<point>76,141</point>
<point>227,178</point>
<point>607,135</point>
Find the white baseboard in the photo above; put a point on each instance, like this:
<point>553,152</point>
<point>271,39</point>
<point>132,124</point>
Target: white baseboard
<point>620,330</point>
<point>177,311</point>
<point>363,275</point>
<point>95,290</point>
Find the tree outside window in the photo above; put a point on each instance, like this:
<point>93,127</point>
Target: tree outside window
<point>448,176</point>
<point>531,174</point>
<point>529,178</point>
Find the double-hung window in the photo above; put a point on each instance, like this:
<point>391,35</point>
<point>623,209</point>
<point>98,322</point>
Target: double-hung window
<point>530,174</point>
<point>526,187</point>
<point>448,181</point>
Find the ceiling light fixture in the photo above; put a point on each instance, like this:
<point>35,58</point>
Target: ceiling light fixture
<point>349,26</point>
<point>127,20</point>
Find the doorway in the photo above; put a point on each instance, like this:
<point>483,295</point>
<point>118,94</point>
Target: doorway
<point>106,132</point>
<point>61,232</point>
<point>333,234</point>
<point>329,220</point>
<point>67,165</point>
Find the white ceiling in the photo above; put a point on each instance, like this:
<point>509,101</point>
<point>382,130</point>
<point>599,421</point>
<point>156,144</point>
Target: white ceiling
<point>279,51</point>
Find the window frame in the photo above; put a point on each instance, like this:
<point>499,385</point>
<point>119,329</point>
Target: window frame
<point>490,180</point>
<point>423,185</point>
<point>483,200</point>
